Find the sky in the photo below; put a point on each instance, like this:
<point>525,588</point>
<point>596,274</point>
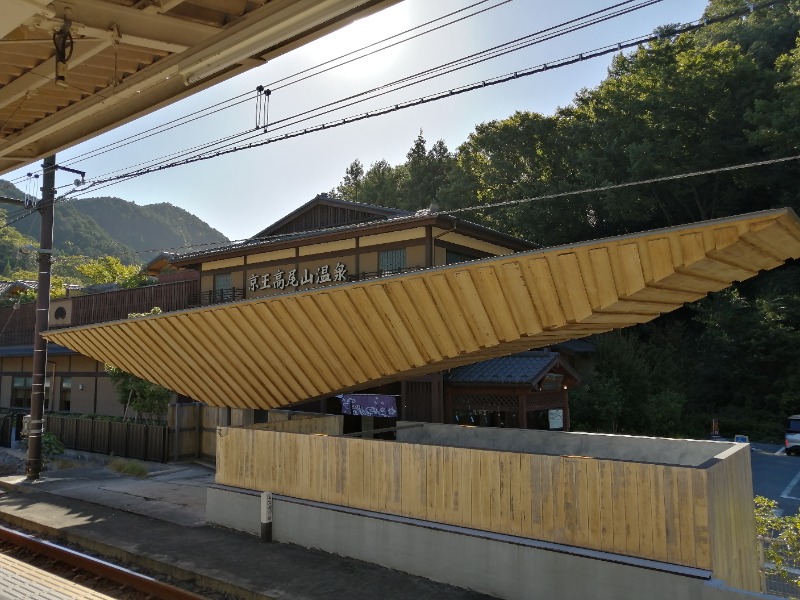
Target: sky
<point>243,192</point>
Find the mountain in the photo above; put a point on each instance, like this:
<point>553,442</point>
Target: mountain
<point>112,226</point>
<point>150,228</point>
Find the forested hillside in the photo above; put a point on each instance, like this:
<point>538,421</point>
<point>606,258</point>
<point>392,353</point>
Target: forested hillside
<point>726,95</point>
<point>95,228</point>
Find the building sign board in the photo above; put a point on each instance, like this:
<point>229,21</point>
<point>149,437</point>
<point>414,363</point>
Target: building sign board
<point>296,278</point>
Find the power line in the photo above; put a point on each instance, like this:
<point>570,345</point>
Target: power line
<point>247,96</point>
<point>273,86</point>
<point>481,207</point>
<point>222,146</point>
<point>514,45</point>
<point>220,151</point>
<point>618,186</point>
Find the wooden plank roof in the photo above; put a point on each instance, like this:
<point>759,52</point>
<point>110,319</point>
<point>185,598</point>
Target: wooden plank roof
<point>126,58</point>
<point>279,350</point>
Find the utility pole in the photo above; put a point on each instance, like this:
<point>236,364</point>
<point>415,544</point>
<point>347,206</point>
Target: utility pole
<point>46,207</point>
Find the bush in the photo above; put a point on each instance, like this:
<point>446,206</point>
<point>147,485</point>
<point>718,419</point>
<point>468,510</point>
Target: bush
<point>51,447</point>
<point>129,467</point>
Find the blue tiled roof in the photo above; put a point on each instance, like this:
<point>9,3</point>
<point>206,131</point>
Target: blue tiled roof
<point>577,346</point>
<point>52,349</point>
<point>526,367</point>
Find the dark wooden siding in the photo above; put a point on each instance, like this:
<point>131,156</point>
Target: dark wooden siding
<point>111,306</point>
<point>326,216</point>
<point>17,325</point>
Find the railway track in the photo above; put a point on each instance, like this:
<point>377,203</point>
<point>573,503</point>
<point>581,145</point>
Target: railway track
<point>30,565</point>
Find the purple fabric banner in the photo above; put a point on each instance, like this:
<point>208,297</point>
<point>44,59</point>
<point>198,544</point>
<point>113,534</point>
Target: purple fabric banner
<point>369,405</point>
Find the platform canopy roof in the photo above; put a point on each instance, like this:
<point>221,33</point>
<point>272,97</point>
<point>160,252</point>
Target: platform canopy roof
<point>126,58</point>
<point>279,350</point>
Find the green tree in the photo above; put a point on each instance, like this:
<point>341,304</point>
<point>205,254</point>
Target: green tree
<point>110,269</point>
<point>780,536</point>
<point>149,400</point>
<point>524,156</point>
<point>671,107</point>
<point>351,184</point>
<point>427,173</point>
<point>382,184</point>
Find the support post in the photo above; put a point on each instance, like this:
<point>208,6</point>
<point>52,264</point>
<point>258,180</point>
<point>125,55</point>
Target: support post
<point>33,464</point>
<point>266,516</point>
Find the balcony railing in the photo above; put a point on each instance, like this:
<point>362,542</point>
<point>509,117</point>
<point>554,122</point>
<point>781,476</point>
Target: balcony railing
<point>215,297</point>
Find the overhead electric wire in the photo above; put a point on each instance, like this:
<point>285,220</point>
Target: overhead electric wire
<point>273,86</point>
<point>434,97</point>
<point>214,147</point>
<point>247,96</point>
<point>480,207</point>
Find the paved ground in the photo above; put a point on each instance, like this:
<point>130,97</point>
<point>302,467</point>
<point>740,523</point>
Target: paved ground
<point>158,524</point>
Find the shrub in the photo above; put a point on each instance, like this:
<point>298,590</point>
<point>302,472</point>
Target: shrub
<point>129,467</point>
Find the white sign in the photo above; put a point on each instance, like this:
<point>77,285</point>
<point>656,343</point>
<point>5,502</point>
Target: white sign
<point>281,280</point>
<point>556,418</point>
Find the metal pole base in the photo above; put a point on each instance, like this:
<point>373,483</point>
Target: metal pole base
<point>33,469</point>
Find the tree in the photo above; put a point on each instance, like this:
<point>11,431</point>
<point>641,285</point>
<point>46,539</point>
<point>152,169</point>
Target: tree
<point>351,184</point>
<point>427,173</point>
<point>524,156</point>
<point>382,184</point>
<point>110,269</point>
<point>148,399</point>
<point>668,108</point>
<point>780,536</point>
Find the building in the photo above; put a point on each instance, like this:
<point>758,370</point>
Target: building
<point>323,243</point>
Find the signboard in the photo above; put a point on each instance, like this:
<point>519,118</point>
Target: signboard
<point>556,418</point>
<point>296,278</point>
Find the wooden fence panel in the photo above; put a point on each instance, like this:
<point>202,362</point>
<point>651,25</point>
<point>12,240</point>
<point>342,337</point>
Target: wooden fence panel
<point>118,439</point>
<point>55,424</point>
<point>732,521</point>
<point>69,433</point>
<point>137,441</point>
<point>156,443</point>
<point>101,436</point>
<point>661,512</point>
<point>83,435</point>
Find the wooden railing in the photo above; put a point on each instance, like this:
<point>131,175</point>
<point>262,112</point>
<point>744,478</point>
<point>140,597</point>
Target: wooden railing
<point>17,324</point>
<point>215,297</point>
<point>112,306</point>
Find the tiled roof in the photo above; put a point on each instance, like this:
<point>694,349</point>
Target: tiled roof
<point>400,216</point>
<point>52,350</point>
<point>526,367</point>
<point>577,346</point>
<point>9,286</point>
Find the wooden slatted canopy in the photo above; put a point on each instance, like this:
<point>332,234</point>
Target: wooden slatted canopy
<point>280,350</point>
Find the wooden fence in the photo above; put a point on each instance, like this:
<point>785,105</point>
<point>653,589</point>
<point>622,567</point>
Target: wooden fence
<point>698,516</point>
<point>126,440</point>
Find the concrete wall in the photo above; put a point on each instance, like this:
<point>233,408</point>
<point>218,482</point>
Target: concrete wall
<point>690,453</point>
<point>502,566</point>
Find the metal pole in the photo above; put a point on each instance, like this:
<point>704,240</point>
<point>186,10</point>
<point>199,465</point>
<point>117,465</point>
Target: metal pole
<point>33,465</point>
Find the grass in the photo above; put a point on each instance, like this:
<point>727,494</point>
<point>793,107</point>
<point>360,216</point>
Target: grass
<point>129,467</point>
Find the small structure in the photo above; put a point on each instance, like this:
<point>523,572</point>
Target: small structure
<point>528,390</point>
<point>13,289</point>
<point>513,513</point>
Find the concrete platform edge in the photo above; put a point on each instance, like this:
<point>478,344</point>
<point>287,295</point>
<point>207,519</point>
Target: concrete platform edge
<point>112,552</point>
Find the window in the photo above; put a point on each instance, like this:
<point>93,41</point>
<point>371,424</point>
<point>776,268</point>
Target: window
<point>21,388</point>
<point>222,282</point>
<point>65,395</point>
<point>223,291</point>
<point>391,261</point>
